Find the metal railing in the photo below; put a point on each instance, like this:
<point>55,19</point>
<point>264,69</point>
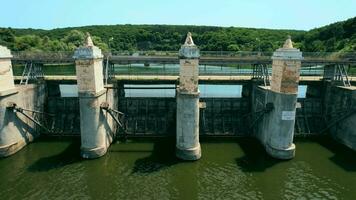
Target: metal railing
<point>30,55</point>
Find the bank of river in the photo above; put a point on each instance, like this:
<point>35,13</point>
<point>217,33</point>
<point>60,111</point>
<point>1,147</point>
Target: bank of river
<point>229,169</point>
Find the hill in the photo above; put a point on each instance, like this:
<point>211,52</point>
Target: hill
<point>340,36</point>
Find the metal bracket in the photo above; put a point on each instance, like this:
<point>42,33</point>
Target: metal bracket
<point>13,106</point>
<point>105,106</point>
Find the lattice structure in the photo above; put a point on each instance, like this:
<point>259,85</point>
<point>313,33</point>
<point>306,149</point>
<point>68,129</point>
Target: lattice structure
<point>309,118</point>
<point>108,70</point>
<point>32,71</point>
<point>260,71</point>
<point>337,74</point>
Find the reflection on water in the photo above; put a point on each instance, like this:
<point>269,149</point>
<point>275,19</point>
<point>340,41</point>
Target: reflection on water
<point>234,169</point>
<point>206,91</point>
<point>173,69</point>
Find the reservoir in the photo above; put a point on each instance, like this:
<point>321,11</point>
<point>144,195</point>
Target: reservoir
<point>236,168</point>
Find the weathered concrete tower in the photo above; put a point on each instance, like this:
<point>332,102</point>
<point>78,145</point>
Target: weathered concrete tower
<point>188,146</point>
<point>286,63</point>
<point>96,132</point>
<point>16,130</point>
<point>276,129</point>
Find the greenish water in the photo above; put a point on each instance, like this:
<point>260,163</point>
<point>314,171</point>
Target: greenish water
<point>229,169</point>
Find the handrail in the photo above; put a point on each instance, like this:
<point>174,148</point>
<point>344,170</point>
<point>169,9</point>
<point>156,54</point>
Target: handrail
<point>235,54</point>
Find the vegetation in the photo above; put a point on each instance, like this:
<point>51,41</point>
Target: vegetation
<point>340,36</point>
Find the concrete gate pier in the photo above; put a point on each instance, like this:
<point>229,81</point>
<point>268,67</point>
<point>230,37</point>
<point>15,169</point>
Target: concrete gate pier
<point>187,144</point>
<point>97,131</point>
<point>16,130</point>
<point>275,129</point>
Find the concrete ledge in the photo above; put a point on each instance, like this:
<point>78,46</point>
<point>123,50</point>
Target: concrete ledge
<point>187,94</point>
<point>189,154</point>
<point>283,154</point>
<point>93,153</point>
<point>82,94</point>
<point>11,149</point>
<point>8,92</point>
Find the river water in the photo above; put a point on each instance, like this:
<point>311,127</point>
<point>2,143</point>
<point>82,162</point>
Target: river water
<point>229,169</point>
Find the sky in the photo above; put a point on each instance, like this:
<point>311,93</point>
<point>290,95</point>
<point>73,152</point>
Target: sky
<point>275,14</point>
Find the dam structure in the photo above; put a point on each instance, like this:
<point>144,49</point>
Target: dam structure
<point>272,97</point>
<point>276,129</point>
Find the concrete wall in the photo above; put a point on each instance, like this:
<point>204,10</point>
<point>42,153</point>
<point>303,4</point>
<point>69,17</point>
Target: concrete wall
<point>6,80</point>
<point>340,113</point>
<point>15,129</point>
<point>274,129</point>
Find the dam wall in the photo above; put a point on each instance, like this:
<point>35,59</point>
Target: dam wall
<point>16,130</point>
<point>272,111</point>
<point>340,113</point>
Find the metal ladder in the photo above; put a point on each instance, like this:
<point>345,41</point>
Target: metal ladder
<point>26,74</point>
<point>341,75</point>
<point>108,70</point>
<point>31,72</point>
<point>260,71</point>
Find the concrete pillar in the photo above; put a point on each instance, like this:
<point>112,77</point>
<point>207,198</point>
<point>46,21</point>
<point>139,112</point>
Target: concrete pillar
<point>16,130</point>
<point>188,146</point>
<point>7,85</point>
<point>96,132</point>
<point>286,63</point>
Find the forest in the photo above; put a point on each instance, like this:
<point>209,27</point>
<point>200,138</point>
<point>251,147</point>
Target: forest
<point>340,36</point>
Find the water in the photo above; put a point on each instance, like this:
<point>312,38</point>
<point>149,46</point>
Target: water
<point>229,169</point>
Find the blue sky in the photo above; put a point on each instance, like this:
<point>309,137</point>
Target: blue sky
<point>287,14</point>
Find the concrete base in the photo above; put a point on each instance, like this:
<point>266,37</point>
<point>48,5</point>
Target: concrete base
<point>283,154</point>
<point>274,130</point>
<point>93,153</point>
<point>10,149</point>
<point>97,127</point>
<point>189,154</point>
<point>16,131</point>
